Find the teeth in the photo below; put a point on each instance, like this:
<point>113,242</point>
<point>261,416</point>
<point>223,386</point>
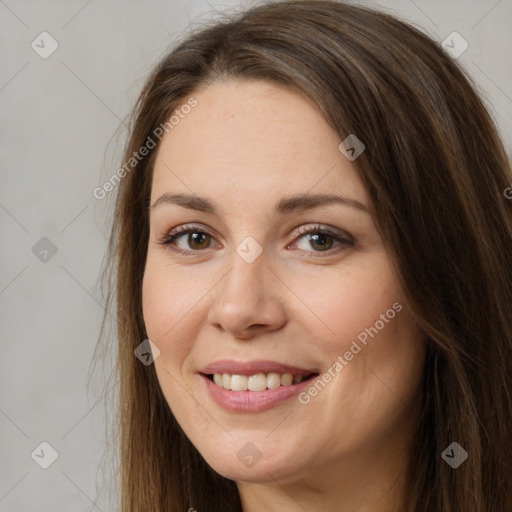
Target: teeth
<point>273,380</point>
<point>239,382</point>
<point>256,382</point>
<point>226,380</point>
<point>286,379</point>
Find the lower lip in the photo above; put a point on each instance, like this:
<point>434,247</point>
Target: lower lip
<point>253,401</point>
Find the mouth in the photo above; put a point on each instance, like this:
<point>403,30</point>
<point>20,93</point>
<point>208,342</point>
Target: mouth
<point>258,381</point>
<point>256,392</point>
<point>254,386</point>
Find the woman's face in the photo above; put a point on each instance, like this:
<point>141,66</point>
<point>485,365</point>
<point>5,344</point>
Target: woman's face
<point>257,297</point>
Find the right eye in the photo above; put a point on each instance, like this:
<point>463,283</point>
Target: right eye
<point>196,240</point>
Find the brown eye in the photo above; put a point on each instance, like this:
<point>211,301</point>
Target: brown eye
<point>196,240</point>
<point>322,239</point>
<point>187,240</point>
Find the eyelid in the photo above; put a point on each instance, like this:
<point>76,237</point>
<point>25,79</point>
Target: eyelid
<point>326,229</point>
<point>345,239</point>
<point>169,237</point>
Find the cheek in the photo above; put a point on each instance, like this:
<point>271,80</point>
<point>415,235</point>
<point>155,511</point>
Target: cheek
<point>155,301</point>
<point>341,304</point>
<point>168,310</point>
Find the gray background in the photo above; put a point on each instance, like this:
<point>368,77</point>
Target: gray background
<point>61,136</point>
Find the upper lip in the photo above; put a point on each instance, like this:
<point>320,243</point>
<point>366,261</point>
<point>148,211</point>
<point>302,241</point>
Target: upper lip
<point>253,367</point>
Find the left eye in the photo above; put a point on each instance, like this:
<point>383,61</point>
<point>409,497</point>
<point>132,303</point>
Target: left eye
<point>323,238</point>
<point>318,238</point>
<point>319,241</point>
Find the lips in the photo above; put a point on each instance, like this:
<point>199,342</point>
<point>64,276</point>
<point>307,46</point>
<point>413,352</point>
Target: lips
<point>253,367</point>
<point>254,401</point>
<point>254,386</point>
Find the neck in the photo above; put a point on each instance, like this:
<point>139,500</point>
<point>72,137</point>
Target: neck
<point>371,479</point>
<point>369,489</point>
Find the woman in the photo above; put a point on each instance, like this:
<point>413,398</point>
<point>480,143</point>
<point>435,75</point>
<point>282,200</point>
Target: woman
<point>313,235</point>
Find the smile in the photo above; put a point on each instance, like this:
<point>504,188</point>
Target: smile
<point>239,397</point>
<point>256,382</point>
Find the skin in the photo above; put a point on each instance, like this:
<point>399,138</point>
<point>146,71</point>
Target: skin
<point>245,146</point>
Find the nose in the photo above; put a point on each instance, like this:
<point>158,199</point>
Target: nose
<point>248,301</point>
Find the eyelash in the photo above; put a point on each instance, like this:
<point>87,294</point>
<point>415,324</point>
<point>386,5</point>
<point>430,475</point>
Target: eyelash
<point>169,238</point>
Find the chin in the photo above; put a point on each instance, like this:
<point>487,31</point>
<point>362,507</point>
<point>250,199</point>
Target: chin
<point>250,464</point>
<point>261,472</point>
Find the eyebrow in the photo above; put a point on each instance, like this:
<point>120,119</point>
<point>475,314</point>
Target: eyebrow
<point>301,202</point>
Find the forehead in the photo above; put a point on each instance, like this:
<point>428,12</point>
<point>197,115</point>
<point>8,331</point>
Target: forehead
<point>256,140</point>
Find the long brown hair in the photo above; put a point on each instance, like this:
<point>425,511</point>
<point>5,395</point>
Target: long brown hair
<point>435,171</point>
